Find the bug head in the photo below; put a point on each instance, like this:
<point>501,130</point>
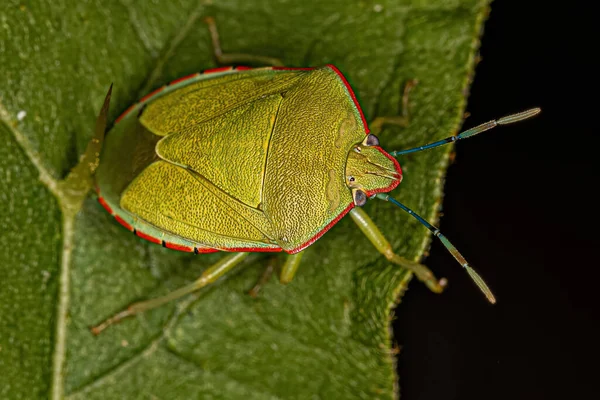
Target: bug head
<point>370,170</point>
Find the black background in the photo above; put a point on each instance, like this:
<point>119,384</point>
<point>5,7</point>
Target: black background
<point>521,205</point>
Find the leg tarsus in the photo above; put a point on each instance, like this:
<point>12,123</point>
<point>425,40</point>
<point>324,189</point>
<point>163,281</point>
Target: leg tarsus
<point>423,273</point>
<point>376,126</point>
<point>209,276</point>
<point>234,58</point>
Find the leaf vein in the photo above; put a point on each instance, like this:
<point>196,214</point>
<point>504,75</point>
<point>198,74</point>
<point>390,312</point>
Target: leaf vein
<point>137,28</point>
<point>33,156</point>
<point>146,352</point>
<point>328,25</point>
<point>218,373</point>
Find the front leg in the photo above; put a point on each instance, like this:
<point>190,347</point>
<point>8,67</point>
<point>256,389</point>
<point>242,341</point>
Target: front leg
<point>292,262</point>
<point>368,227</point>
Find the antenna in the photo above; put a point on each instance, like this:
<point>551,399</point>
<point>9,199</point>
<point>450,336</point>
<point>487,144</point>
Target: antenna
<point>449,246</point>
<point>473,131</point>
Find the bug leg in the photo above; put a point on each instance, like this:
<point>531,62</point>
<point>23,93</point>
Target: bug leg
<point>368,227</point>
<point>211,275</point>
<point>292,262</point>
<point>288,271</point>
<point>403,120</point>
<point>264,278</point>
<point>235,58</point>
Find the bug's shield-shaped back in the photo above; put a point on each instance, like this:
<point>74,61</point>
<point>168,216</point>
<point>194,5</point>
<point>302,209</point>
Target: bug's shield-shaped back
<point>254,160</point>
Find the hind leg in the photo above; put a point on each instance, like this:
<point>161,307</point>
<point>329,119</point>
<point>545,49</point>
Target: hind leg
<point>211,275</point>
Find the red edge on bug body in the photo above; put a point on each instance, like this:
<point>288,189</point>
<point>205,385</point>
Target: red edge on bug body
<point>104,204</point>
<point>253,249</point>
<point>204,250</point>
<point>148,237</point>
<point>124,223</point>
<point>220,69</point>
<point>351,92</point>
<point>179,247</point>
<point>131,107</point>
<point>292,68</point>
<point>149,95</point>
<point>322,232</point>
<point>183,78</point>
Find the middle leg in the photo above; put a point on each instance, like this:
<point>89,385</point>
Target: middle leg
<point>235,58</point>
<point>288,271</point>
<point>403,120</point>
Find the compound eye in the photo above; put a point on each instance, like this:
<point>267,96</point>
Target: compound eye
<point>371,140</point>
<point>360,197</point>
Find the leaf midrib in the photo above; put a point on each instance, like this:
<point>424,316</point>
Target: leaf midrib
<point>60,334</point>
<point>68,223</point>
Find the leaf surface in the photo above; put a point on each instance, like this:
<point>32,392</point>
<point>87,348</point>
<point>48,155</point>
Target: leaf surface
<point>325,335</point>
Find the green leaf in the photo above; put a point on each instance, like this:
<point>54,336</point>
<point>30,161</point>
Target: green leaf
<point>325,335</point>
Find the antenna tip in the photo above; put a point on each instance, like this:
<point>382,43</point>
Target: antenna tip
<point>519,116</point>
<point>532,112</point>
<point>481,284</point>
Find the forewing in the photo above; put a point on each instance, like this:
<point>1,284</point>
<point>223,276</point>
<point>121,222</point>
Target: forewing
<point>173,199</point>
<point>203,100</point>
<point>229,150</point>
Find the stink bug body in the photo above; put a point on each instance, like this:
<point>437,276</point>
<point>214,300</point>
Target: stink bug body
<point>203,164</point>
<point>252,160</point>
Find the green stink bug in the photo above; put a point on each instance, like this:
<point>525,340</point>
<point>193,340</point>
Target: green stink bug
<point>247,160</point>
